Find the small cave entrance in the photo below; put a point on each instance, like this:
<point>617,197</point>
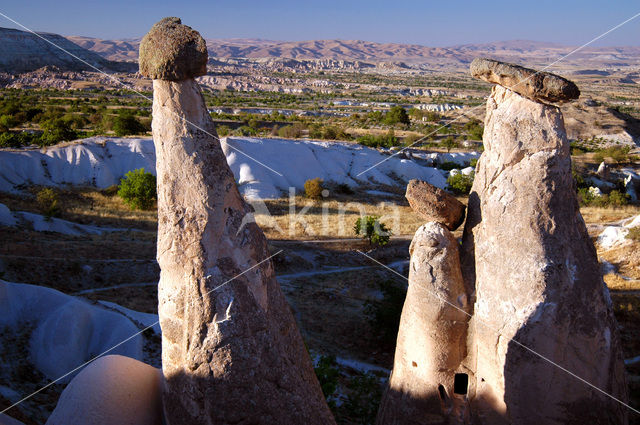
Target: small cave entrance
<point>460,383</point>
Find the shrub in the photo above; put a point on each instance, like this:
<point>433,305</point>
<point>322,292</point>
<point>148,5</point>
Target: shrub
<point>313,188</point>
<point>6,122</point>
<point>448,166</point>
<point>365,393</point>
<point>291,131</point>
<point>614,199</point>
<point>344,189</point>
<point>245,130</point>
<point>384,140</point>
<point>396,115</point>
<point>634,234</point>
<point>370,228</point>
<point>474,129</point>
<point>384,315</point>
<point>47,201</point>
<point>223,130</point>
<point>138,189</point>
<point>127,124</point>
<point>473,162</point>
<point>460,184</point>
<point>618,199</point>
<point>56,130</point>
<point>449,143</point>
<point>328,374</point>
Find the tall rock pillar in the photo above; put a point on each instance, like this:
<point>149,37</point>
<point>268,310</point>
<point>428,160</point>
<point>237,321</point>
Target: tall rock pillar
<point>231,351</point>
<point>541,304</point>
<point>428,384</point>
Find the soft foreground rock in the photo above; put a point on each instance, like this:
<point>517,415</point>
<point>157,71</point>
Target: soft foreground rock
<point>537,280</point>
<point>538,86</point>
<point>432,337</point>
<point>434,204</point>
<point>172,51</point>
<point>113,390</point>
<point>231,351</point>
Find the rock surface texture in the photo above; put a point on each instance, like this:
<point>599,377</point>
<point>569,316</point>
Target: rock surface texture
<point>522,328</point>
<point>538,86</point>
<point>435,204</point>
<point>113,390</point>
<point>432,340</point>
<point>537,279</point>
<point>173,52</point>
<point>231,351</point>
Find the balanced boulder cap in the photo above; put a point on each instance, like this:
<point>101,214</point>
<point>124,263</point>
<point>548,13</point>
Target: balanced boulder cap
<point>173,52</point>
<point>541,87</point>
<point>435,204</point>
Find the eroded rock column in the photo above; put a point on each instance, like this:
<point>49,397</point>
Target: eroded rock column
<point>231,352</point>
<point>428,381</point>
<point>536,273</point>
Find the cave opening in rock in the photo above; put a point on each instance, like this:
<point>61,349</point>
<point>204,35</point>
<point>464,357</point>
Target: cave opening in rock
<point>460,383</point>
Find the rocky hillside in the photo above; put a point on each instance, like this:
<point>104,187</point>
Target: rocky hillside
<point>22,51</point>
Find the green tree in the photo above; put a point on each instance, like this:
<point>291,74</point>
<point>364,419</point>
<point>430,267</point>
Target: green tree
<point>460,184</point>
<point>449,143</point>
<point>397,115</point>
<point>138,189</point>
<point>127,124</point>
<point>6,122</point>
<point>56,130</point>
<point>370,228</point>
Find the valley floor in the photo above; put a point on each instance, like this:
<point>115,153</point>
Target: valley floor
<point>338,296</point>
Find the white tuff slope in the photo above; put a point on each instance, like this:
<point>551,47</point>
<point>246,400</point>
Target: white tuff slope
<point>101,162</point>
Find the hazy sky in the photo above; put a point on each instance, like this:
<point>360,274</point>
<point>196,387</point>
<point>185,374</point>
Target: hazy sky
<point>431,23</point>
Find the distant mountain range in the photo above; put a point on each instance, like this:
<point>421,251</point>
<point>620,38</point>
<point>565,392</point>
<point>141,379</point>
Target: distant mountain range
<point>22,51</point>
<point>358,50</point>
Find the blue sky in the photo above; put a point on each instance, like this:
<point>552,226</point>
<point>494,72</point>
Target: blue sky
<point>431,23</point>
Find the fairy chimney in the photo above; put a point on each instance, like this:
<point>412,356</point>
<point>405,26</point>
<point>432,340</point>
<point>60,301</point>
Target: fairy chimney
<point>544,341</point>
<point>231,351</point>
<point>428,384</point>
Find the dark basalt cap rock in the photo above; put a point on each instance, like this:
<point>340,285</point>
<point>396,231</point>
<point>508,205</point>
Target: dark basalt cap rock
<point>542,87</point>
<point>434,204</point>
<point>173,52</point>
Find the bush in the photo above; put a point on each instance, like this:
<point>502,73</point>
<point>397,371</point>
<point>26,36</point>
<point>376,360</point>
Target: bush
<point>56,130</point>
<point>383,140</point>
<point>344,189</point>
<point>396,115</point>
<point>370,228</point>
<point>328,374</point>
<point>384,315</point>
<point>291,131</point>
<point>448,166</point>
<point>474,129</point>
<point>634,234</point>
<point>313,188</point>
<point>138,189</point>
<point>449,143</point>
<point>363,401</point>
<point>460,184</point>
<point>614,199</point>
<point>47,201</point>
<point>245,130</point>
<point>619,154</point>
<point>127,124</point>
<point>223,130</point>
<point>473,162</point>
